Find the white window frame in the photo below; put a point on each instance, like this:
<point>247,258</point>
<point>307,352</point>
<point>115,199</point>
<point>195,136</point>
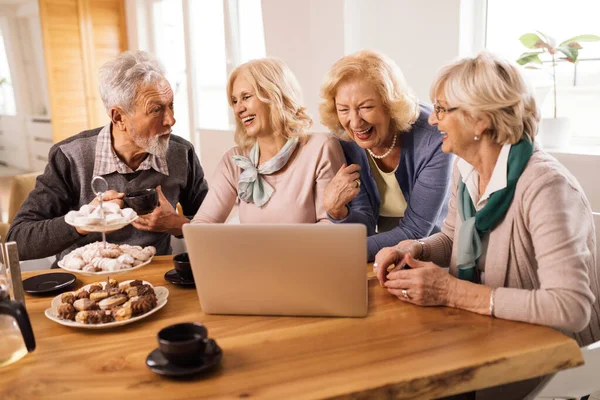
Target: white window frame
<point>141,36</point>
<point>473,38</point>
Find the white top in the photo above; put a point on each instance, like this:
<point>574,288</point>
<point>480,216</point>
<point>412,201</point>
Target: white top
<point>470,178</point>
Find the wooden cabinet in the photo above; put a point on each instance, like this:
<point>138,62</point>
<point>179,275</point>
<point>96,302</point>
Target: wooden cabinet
<point>79,36</point>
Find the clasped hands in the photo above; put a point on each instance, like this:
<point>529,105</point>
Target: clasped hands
<point>423,283</point>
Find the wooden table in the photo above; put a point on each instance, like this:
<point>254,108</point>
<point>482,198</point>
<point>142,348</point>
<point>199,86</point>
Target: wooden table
<point>399,350</point>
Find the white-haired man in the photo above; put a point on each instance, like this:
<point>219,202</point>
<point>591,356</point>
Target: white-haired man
<point>134,151</point>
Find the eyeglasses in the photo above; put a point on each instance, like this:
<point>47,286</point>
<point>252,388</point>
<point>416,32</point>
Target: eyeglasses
<point>440,112</point>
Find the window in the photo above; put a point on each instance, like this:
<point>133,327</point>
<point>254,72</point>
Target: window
<point>578,85</point>
<point>170,49</point>
<point>221,34</point>
<point>209,60</point>
<point>231,33</point>
<point>7,94</point>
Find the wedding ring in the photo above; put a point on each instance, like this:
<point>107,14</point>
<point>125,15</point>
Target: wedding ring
<point>357,183</point>
<point>405,294</point>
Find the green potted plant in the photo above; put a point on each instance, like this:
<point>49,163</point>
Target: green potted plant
<point>555,130</point>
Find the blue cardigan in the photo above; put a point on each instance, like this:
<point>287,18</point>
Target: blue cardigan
<point>424,178</point>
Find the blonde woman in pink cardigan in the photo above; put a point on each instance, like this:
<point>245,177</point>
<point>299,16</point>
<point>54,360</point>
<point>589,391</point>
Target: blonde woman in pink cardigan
<point>519,236</point>
<point>277,171</point>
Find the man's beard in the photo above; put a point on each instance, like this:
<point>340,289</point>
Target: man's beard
<point>157,145</point>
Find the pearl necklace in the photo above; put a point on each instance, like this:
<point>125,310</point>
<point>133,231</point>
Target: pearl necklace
<point>387,153</point>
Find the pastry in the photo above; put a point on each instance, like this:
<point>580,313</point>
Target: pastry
<point>99,295</point>
<point>93,317</point>
<point>122,313</point>
<point>89,268</point>
<point>139,290</point>
<point>112,283</point>
<point>112,301</point>
<point>95,288</point>
<point>84,304</point>
<point>67,298</point>
<point>67,311</point>
<point>143,305</point>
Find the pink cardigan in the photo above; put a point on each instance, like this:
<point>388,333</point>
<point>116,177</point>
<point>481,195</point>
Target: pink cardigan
<point>299,186</point>
<point>542,256</point>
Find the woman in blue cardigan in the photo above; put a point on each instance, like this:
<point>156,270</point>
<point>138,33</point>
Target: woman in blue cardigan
<point>396,179</point>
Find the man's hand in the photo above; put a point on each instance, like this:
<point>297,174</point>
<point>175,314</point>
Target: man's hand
<point>164,218</point>
<point>111,196</point>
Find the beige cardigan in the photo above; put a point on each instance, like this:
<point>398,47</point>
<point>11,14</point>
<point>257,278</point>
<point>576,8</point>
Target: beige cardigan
<point>541,256</point>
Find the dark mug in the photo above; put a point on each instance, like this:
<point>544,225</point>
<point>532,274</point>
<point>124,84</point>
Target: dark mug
<point>183,344</point>
<point>183,267</point>
<point>142,201</point>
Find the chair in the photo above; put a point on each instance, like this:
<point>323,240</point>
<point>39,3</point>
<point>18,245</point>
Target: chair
<point>581,381</point>
<point>20,188</point>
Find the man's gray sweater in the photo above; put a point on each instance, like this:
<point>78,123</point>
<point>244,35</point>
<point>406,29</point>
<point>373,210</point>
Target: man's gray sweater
<point>39,228</point>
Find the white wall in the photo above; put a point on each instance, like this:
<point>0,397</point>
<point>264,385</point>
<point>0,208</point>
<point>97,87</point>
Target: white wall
<point>309,37</point>
<point>420,36</point>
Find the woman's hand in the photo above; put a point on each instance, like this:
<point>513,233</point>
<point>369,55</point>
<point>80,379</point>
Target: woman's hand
<point>344,187</point>
<point>425,284</point>
<point>393,256</point>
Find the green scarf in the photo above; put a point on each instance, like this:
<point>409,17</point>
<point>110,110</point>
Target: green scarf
<point>474,224</point>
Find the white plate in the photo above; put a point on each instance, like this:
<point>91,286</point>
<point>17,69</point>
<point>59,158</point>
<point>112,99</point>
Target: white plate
<point>98,228</point>
<point>103,273</point>
<point>162,293</point>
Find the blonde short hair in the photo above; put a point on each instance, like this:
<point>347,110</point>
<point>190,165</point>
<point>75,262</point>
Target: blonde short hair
<point>274,84</point>
<point>385,75</point>
<point>489,86</point>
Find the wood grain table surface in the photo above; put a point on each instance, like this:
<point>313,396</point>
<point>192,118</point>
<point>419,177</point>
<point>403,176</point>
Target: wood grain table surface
<point>397,351</point>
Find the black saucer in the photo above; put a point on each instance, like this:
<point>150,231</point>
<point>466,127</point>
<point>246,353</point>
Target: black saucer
<point>48,282</point>
<point>176,279</point>
<point>209,361</point>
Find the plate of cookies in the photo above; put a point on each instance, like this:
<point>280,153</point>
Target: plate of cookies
<point>114,259</point>
<point>93,218</point>
<point>108,304</point>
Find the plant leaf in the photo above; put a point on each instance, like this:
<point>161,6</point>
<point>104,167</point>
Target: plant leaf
<point>582,38</point>
<point>570,52</point>
<point>531,40</point>
<point>530,57</point>
<point>548,39</point>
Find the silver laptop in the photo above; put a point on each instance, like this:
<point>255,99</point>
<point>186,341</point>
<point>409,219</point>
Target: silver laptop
<point>299,269</point>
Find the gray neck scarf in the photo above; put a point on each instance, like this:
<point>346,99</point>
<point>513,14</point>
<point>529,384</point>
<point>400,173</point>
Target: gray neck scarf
<point>252,187</point>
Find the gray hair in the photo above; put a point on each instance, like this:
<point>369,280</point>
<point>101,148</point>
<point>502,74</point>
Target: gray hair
<point>121,78</point>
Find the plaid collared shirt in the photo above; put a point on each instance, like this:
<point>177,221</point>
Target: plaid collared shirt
<point>106,160</point>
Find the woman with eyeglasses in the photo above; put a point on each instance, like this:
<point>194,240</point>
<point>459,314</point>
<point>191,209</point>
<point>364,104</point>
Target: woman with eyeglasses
<point>519,236</point>
<point>396,178</point>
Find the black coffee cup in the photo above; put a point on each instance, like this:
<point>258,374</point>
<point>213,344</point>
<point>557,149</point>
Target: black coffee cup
<point>183,344</point>
<point>142,201</point>
<point>183,267</point>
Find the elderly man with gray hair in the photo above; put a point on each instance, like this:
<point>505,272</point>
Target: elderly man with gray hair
<point>134,151</point>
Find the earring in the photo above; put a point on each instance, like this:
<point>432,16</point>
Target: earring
<point>476,137</point>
